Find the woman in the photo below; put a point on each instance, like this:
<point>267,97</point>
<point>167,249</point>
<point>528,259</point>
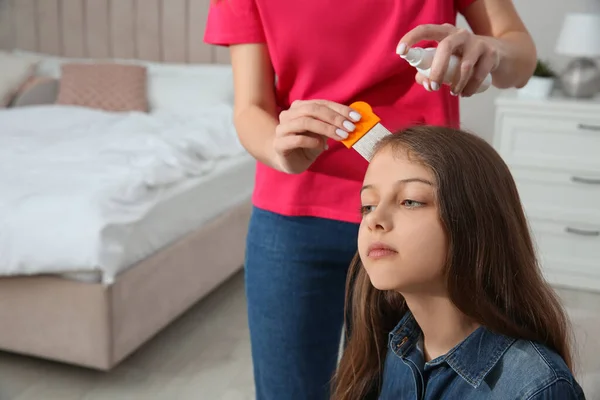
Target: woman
<point>449,301</point>
<point>296,66</point>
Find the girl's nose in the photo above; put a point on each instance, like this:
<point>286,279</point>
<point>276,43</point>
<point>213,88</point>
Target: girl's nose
<point>379,220</point>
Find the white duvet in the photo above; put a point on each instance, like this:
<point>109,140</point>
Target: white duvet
<point>67,174</point>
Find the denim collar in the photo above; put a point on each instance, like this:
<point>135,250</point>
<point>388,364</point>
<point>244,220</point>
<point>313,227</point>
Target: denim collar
<point>472,359</point>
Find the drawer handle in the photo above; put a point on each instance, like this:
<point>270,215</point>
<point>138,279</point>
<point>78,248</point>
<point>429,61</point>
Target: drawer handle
<point>588,127</point>
<point>581,232</point>
<point>587,181</point>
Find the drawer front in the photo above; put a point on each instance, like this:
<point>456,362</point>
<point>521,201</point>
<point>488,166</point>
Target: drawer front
<point>551,141</point>
<point>567,247</point>
<point>559,195</point>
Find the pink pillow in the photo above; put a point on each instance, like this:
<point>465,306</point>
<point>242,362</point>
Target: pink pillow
<point>109,87</point>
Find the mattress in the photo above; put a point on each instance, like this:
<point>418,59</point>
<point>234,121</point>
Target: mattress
<point>190,206</point>
<point>85,190</point>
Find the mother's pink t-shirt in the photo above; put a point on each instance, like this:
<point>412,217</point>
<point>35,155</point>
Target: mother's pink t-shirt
<point>342,51</point>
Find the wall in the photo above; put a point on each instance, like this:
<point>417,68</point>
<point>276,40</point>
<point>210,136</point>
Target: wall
<point>154,30</point>
<point>543,19</point>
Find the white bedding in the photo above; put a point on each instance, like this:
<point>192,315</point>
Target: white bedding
<point>71,178</point>
<point>185,209</point>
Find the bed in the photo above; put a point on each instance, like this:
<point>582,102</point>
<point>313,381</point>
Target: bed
<point>92,268</point>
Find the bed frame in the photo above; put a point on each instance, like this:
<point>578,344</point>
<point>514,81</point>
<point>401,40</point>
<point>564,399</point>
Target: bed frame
<point>93,324</point>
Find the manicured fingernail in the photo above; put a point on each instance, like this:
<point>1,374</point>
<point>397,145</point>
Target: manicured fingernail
<point>453,94</point>
<point>401,49</point>
<point>341,133</point>
<point>426,86</point>
<point>435,86</point>
<point>355,116</point>
<point>349,126</point>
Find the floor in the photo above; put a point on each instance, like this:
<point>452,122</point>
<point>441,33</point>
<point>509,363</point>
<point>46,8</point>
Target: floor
<point>203,355</point>
<point>206,355</point>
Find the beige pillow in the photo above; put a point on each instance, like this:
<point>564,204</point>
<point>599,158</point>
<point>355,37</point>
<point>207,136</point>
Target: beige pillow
<point>109,87</point>
<point>15,71</point>
<point>38,90</point>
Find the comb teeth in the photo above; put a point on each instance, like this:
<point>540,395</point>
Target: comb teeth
<point>366,144</point>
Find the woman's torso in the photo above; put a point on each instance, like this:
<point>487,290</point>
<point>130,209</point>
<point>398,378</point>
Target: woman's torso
<point>343,51</point>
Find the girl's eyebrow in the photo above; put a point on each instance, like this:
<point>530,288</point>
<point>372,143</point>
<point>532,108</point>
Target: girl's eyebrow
<point>403,181</point>
<point>409,180</point>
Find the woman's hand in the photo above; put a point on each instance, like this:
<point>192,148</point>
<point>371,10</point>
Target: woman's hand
<point>479,56</point>
<point>303,130</point>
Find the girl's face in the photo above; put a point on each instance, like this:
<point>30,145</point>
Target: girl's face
<point>401,241</point>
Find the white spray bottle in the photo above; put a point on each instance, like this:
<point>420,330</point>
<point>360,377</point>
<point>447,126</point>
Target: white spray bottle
<point>422,59</point>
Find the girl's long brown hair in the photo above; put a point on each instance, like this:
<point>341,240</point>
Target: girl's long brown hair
<point>493,274</point>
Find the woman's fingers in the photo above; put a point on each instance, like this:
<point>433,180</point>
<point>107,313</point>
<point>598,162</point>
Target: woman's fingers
<point>340,109</point>
<point>304,129</point>
<point>479,57</point>
<point>464,76</point>
<point>469,61</point>
<point>327,111</point>
<point>312,125</point>
<point>451,41</point>
<point>290,143</point>
<point>423,81</point>
<point>424,32</point>
<point>452,44</point>
<point>486,63</point>
<point>321,117</point>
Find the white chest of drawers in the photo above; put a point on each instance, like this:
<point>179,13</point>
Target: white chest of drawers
<point>552,147</point>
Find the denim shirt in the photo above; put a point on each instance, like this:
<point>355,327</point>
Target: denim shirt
<point>483,366</point>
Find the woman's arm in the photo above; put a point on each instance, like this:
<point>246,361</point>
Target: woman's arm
<point>291,141</point>
<point>255,111</point>
<point>498,22</point>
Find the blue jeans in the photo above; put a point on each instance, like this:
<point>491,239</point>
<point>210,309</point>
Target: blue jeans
<point>295,279</point>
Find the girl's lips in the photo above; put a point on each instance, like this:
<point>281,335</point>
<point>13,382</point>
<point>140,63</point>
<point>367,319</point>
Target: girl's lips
<point>380,250</point>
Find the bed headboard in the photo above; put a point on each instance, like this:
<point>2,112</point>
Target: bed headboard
<point>154,30</point>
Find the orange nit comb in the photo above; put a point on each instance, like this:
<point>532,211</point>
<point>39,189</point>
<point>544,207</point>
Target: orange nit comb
<point>366,123</point>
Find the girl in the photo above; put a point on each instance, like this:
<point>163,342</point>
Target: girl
<point>448,299</point>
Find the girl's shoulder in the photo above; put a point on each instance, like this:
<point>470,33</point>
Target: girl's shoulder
<point>538,372</point>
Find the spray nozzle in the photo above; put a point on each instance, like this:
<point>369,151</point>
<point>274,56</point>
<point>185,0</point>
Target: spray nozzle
<point>413,56</point>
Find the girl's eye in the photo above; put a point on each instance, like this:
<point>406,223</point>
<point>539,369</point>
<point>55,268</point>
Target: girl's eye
<point>411,203</point>
<point>364,210</point>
